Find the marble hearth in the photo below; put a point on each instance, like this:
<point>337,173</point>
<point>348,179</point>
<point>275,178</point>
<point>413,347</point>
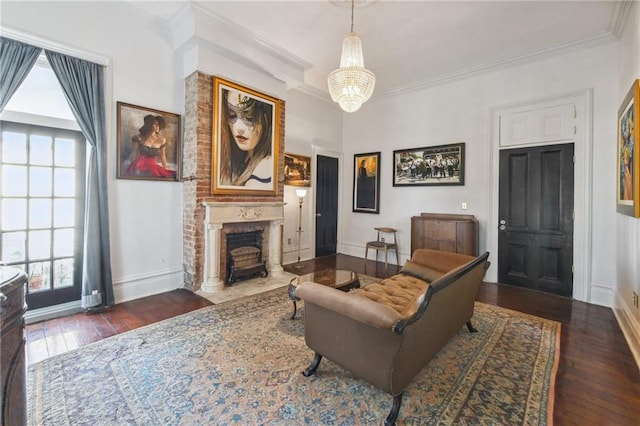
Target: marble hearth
<point>236,216</point>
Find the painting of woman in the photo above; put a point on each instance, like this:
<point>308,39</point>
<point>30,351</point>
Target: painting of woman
<point>148,143</point>
<point>149,147</point>
<point>246,140</point>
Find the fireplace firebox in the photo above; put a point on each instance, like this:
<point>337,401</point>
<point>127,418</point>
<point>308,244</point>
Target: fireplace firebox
<point>244,256</point>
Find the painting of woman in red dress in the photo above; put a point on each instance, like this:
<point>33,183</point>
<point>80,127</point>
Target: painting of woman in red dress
<point>149,147</point>
<point>148,143</point>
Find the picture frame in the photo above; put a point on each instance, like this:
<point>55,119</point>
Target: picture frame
<point>246,140</point>
<point>628,154</point>
<point>148,143</point>
<point>366,182</point>
<point>429,166</point>
<point>297,170</point>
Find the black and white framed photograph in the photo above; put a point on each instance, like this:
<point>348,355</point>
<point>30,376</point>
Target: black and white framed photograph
<point>432,165</point>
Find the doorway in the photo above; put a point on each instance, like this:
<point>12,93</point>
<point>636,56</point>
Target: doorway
<point>535,237</point>
<point>326,205</point>
<point>43,209</point>
<point>562,119</point>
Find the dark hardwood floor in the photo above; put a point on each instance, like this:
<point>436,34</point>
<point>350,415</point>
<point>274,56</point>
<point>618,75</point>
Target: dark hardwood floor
<point>598,381</point>
<point>56,336</point>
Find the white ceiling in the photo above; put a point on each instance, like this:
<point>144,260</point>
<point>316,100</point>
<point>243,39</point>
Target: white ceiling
<point>408,44</point>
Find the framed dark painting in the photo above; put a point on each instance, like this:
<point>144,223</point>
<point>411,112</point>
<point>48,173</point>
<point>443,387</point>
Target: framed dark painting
<point>366,183</point>
<point>628,170</point>
<point>297,170</point>
<point>432,165</point>
<point>246,135</point>
<point>148,143</point>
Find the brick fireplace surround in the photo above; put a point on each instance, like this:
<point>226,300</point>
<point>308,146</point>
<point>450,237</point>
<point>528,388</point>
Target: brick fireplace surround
<point>206,217</point>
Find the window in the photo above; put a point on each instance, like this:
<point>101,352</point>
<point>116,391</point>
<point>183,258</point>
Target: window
<point>42,209</point>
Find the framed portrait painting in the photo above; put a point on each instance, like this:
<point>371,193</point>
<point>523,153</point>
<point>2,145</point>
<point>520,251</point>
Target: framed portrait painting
<point>246,135</point>
<point>148,143</point>
<point>297,170</point>
<point>628,170</point>
<point>366,183</point>
<point>432,165</point>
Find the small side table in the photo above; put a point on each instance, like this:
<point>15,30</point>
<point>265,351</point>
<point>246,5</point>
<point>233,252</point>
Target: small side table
<point>340,279</point>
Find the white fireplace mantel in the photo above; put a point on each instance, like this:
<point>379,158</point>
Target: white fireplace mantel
<point>220,213</point>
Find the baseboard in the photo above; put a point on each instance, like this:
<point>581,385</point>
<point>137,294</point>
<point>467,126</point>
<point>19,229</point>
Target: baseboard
<point>290,255</point>
<point>356,250</point>
<point>630,327</point>
<point>51,312</point>
<point>601,295</point>
<point>124,290</point>
<point>136,287</point>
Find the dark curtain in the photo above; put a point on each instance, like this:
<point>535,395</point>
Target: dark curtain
<point>16,60</point>
<point>83,85</point>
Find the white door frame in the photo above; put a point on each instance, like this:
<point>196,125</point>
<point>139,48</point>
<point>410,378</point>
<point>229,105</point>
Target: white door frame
<point>583,142</point>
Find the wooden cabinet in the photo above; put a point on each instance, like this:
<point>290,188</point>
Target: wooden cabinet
<point>448,232</point>
<point>12,357</point>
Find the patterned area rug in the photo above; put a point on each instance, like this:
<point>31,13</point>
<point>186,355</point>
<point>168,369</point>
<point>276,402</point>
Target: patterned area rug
<point>240,363</point>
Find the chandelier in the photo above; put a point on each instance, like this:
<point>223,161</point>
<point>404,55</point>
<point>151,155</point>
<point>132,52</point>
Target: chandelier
<point>352,84</point>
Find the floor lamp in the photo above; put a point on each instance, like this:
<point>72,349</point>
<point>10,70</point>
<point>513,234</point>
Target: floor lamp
<point>301,193</point>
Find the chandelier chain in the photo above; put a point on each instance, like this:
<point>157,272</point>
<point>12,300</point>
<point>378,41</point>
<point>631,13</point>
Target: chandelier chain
<point>352,6</point>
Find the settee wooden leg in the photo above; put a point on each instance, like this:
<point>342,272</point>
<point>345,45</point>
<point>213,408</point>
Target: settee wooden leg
<point>471,328</point>
<point>313,366</point>
<point>395,410</point>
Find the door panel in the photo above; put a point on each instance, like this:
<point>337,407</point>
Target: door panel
<point>326,205</point>
<point>535,239</point>
<point>539,124</point>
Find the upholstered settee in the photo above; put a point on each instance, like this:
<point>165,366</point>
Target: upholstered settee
<point>387,332</point>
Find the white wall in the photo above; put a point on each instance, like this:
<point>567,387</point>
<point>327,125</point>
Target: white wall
<point>460,112</point>
<point>145,216</point>
<point>628,228</point>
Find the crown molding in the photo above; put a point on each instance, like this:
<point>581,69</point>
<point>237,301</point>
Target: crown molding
<point>195,24</point>
<point>182,26</point>
<point>619,17</point>
<point>314,92</point>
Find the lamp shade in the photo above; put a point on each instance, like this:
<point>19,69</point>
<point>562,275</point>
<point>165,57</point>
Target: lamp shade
<point>301,193</point>
<point>352,84</point>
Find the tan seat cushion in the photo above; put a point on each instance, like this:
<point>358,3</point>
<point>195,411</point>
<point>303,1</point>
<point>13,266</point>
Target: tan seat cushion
<point>402,293</point>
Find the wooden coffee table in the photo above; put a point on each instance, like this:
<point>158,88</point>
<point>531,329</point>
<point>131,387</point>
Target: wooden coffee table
<point>337,278</point>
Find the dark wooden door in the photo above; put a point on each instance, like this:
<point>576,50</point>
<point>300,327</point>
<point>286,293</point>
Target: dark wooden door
<point>326,205</point>
<point>535,237</point>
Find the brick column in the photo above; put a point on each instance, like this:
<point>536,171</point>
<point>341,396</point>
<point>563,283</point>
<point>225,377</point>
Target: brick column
<point>196,172</point>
